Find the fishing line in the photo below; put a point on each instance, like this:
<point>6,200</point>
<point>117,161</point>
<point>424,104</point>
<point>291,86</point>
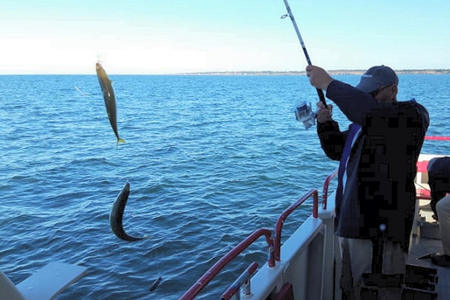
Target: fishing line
<point>81,92</point>
<point>291,16</point>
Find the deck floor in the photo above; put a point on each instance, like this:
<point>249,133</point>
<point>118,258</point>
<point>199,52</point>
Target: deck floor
<point>425,241</point>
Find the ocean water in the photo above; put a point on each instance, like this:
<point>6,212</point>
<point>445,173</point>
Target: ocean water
<point>209,160</point>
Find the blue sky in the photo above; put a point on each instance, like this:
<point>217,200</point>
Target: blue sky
<point>170,36</point>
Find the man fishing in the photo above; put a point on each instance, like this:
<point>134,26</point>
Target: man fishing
<point>375,198</point>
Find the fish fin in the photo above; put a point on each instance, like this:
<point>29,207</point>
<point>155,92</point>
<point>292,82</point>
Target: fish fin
<point>119,140</point>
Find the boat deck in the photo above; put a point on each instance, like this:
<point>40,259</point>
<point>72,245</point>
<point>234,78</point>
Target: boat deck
<point>425,240</point>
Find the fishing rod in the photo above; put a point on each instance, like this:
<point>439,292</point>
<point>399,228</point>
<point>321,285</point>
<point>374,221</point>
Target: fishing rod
<point>291,16</point>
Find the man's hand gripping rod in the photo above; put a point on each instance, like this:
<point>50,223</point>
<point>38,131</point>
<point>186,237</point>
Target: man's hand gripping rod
<point>291,16</point>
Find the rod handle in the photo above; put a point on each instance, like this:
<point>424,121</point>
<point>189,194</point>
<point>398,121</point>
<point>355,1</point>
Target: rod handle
<point>321,97</point>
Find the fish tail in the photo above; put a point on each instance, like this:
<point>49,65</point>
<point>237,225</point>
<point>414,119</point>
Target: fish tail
<point>119,140</point>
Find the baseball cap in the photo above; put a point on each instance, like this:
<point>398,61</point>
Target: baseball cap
<point>377,77</point>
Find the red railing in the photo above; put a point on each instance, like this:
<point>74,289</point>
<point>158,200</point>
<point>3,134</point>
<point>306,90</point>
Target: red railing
<point>325,188</point>
<point>218,266</point>
<point>274,246</point>
<point>437,138</point>
<point>244,278</point>
<point>287,212</point>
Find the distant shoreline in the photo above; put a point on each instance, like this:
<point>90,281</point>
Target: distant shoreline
<point>250,73</point>
<point>296,73</point>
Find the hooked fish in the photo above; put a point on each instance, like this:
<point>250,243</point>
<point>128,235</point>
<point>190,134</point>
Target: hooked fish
<point>110,100</point>
<point>116,216</point>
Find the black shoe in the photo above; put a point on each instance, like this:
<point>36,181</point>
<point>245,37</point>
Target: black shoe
<point>441,260</point>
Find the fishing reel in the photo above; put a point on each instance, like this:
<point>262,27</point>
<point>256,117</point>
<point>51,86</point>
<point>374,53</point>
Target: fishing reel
<point>304,113</point>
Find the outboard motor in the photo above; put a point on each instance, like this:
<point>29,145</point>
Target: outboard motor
<point>304,113</point>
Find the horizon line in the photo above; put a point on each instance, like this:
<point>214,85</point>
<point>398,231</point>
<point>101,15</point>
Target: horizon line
<point>247,72</point>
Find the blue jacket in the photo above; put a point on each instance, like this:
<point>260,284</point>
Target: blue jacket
<point>382,165</point>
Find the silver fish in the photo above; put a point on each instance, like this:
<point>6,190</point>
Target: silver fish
<point>116,216</point>
<point>110,100</point>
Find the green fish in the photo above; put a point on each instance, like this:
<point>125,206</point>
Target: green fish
<point>116,215</point>
<point>110,100</point>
